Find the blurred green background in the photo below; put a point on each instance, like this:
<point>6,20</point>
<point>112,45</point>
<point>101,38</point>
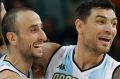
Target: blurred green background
<point>58,20</point>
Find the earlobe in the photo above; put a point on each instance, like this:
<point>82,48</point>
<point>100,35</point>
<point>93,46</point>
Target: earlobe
<point>11,38</point>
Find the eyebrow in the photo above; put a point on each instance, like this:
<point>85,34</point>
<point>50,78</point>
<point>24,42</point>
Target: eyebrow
<point>106,17</point>
<point>34,25</point>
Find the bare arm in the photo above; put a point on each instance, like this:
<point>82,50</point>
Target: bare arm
<point>116,74</point>
<point>40,64</point>
<point>48,50</point>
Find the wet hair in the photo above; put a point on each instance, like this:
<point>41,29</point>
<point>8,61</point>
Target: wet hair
<point>84,8</point>
<point>9,22</point>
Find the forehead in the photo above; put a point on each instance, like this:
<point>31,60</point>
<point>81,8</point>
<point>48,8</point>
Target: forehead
<point>108,13</point>
<point>26,19</point>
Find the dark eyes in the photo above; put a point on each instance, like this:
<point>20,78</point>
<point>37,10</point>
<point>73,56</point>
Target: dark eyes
<point>33,29</point>
<point>36,29</point>
<point>114,24</point>
<point>101,22</point>
<point>104,22</point>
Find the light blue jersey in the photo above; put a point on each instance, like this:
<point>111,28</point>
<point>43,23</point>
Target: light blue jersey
<point>63,66</point>
<point>6,65</point>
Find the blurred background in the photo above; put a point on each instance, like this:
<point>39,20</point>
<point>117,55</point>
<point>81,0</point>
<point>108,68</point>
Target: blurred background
<point>58,20</point>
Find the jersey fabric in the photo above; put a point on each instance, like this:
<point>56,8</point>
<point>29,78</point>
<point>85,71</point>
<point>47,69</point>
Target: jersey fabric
<point>6,65</point>
<point>63,66</point>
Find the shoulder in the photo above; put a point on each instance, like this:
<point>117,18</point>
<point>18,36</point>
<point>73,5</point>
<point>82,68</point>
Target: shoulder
<point>116,73</point>
<point>48,49</point>
<point>51,47</point>
<point>7,74</point>
<point>112,61</point>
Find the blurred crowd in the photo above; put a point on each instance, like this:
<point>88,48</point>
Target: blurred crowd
<point>58,17</point>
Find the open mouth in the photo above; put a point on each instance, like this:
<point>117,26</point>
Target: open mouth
<point>37,45</point>
<point>105,39</point>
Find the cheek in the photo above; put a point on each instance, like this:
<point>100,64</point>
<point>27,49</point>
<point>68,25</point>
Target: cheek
<point>26,41</point>
<point>29,42</point>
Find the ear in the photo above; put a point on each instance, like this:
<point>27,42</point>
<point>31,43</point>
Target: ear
<point>78,24</point>
<point>12,38</point>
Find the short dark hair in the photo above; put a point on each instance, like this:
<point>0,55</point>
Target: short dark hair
<point>84,8</point>
<point>9,22</point>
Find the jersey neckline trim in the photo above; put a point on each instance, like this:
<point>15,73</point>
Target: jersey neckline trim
<point>16,68</point>
<point>83,70</point>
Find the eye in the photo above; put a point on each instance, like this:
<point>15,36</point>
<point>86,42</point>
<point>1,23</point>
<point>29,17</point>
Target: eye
<point>42,27</point>
<point>101,22</point>
<point>114,24</point>
<point>33,29</point>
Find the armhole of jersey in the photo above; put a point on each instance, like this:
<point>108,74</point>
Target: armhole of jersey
<point>9,70</point>
<point>115,70</point>
<point>52,57</point>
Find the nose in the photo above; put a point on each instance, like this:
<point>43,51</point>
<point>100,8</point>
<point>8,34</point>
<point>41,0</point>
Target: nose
<point>42,36</point>
<point>110,29</point>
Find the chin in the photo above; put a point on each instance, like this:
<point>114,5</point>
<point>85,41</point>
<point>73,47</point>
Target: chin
<point>103,50</point>
<point>38,55</point>
<point>106,50</point>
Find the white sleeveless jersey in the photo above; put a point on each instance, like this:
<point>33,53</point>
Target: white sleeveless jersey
<point>6,65</point>
<point>63,66</point>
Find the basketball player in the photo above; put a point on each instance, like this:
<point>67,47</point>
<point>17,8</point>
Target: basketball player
<point>23,35</point>
<point>95,23</point>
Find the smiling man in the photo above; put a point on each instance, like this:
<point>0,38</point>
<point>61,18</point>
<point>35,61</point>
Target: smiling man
<point>23,35</point>
<point>95,23</point>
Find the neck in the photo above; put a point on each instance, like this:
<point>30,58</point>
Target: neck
<point>19,61</point>
<point>3,49</point>
<point>86,59</point>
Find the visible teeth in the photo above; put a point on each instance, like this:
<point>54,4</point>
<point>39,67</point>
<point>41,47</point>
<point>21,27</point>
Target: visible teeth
<point>37,46</point>
<point>105,39</point>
